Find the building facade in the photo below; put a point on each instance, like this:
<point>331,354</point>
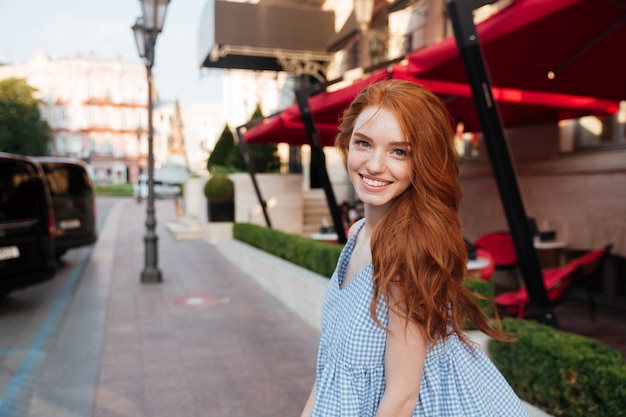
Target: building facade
<point>571,174</point>
<point>97,110</point>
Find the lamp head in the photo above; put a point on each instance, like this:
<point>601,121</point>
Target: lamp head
<point>140,36</point>
<point>363,12</point>
<point>154,14</point>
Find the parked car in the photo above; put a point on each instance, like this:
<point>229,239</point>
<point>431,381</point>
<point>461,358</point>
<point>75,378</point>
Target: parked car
<point>74,201</point>
<point>27,230</point>
<point>161,189</point>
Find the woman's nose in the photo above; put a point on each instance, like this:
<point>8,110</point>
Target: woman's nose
<point>376,162</point>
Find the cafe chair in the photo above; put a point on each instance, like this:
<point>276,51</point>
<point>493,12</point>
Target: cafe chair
<point>486,272</point>
<point>585,269</point>
<point>500,246</point>
<point>592,263</point>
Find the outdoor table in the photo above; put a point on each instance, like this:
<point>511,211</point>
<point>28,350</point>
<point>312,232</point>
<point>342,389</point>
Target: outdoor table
<point>325,237</point>
<point>551,253</point>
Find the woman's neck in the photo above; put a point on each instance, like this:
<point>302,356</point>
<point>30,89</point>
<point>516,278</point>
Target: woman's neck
<point>373,214</point>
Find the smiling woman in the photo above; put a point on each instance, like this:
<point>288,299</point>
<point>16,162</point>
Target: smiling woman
<point>396,308</point>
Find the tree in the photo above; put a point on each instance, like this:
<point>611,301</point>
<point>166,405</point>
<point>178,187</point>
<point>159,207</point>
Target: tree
<point>223,147</point>
<point>264,156</point>
<point>22,130</point>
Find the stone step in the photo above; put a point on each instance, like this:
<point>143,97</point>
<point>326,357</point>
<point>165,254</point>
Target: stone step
<point>185,229</point>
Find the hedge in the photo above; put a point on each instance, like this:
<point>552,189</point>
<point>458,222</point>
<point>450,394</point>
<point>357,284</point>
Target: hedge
<point>565,374</point>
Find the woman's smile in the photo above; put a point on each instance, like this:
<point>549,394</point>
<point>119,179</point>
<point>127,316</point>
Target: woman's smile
<point>378,162</point>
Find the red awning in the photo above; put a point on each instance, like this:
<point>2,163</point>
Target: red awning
<point>326,107</point>
<point>581,40</point>
<point>517,108</point>
<point>279,129</point>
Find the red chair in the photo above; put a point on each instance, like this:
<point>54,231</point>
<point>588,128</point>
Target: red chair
<point>558,281</point>
<point>500,246</point>
<point>486,272</point>
<point>592,271</point>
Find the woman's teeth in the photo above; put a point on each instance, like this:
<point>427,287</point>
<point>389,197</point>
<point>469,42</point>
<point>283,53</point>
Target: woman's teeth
<point>375,183</point>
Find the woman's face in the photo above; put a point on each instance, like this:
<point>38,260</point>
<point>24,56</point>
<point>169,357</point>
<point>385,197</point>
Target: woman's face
<point>378,163</point>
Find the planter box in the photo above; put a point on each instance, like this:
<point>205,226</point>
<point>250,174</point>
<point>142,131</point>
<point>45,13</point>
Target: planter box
<point>221,211</point>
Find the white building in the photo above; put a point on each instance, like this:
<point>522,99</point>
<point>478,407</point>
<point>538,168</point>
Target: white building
<point>97,110</point>
<point>202,123</point>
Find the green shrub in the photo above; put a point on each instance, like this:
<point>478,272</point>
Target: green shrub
<point>566,374</point>
<point>219,188</point>
<point>319,257</point>
<point>485,288</point>
<point>222,148</point>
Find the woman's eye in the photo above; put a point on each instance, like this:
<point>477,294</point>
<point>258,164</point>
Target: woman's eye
<point>399,152</point>
<point>362,143</point>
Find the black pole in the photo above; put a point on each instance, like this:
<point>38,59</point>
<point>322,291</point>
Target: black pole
<point>460,12</point>
<point>151,272</point>
<point>318,158</point>
<point>243,147</point>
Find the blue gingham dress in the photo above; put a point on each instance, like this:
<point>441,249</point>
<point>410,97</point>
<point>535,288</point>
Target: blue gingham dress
<point>350,380</point>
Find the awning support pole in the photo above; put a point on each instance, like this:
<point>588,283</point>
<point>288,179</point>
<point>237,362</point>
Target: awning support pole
<point>243,147</point>
<point>317,153</point>
<point>460,12</point>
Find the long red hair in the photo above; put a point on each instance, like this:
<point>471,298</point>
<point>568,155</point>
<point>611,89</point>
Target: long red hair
<point>418,244</point>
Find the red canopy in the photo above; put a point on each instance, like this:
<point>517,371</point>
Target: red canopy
<point>582,41</point>
<point>517,108</point>
<point>326,107</point>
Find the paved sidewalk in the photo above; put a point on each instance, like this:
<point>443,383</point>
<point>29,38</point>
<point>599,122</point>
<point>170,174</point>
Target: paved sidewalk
<point>207,341</point>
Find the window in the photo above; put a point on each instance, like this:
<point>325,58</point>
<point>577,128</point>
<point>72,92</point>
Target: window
<point>592,132</point>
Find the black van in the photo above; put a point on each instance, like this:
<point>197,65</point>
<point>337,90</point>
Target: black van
<point>26,224</point>
<point>74,201</point>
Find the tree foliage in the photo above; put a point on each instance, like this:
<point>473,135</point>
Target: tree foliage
<point>227,157</point>
<point>223,147</point>
<point>264,156</point>
<point>22,130</point>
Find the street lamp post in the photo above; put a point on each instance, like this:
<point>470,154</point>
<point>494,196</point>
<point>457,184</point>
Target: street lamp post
<point>363,12</point>
<point>146,29</point>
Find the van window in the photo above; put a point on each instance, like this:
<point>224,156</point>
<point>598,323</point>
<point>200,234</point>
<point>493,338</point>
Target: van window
<point>21,191</point>
<point>67,180</point>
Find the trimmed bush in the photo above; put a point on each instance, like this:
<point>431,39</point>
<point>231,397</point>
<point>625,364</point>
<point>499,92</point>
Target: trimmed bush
<point>566,374</point>
<point>219,188</point>
<point>319,257</point>
<point>485,288</point>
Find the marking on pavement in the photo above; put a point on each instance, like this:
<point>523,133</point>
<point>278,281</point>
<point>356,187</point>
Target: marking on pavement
<point>15,400</point>
<point>17,392</point>
<point>200,300</point>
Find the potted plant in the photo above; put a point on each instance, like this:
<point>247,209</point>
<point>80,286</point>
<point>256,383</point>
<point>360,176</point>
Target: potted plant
<point>219,191</point>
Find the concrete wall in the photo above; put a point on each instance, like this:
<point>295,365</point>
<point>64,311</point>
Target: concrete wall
<point>282,194</point>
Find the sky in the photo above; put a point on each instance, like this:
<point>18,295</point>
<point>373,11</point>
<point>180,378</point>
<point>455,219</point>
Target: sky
<point>66,28</point>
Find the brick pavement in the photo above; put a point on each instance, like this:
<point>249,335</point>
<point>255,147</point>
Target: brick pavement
<point>207,341</point>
